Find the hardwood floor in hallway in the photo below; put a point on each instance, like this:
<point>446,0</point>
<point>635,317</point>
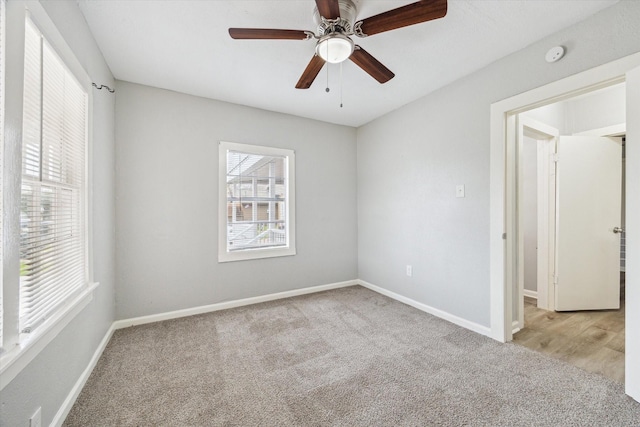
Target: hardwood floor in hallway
<point>591,340</point>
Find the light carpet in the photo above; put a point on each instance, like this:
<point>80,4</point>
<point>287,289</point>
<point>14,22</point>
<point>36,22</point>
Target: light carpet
<point>346,357</point>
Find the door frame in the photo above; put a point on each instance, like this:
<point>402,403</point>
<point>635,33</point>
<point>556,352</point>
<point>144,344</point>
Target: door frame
<point>546,138</point>
<point>503,193</point>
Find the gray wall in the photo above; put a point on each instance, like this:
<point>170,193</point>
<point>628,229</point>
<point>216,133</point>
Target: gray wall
<point>48,379</point>
<point>410,160</point>
<point>599,109</point>
<point>167,188</point>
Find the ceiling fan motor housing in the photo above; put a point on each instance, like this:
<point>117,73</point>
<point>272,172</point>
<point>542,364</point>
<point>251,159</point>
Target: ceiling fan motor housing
<point>343,24</point>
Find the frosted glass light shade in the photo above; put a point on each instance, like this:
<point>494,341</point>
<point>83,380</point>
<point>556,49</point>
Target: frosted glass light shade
<point>334,48</point>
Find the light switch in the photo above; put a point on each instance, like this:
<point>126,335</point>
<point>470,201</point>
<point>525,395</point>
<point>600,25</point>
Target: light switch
<point>460,190</point>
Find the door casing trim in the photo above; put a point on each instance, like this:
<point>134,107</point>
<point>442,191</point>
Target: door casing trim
<point>502,235</point>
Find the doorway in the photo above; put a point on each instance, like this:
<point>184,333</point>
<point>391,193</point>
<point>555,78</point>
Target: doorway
<point>549,315</point>
<point>503,230</point>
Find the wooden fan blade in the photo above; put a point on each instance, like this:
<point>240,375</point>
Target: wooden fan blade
<point>411,14</point>
<point>310,73</point>
<point>267,34</point>
<point>328,9</point>
<point>371,65</point>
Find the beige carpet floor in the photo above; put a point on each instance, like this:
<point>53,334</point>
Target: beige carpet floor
<point>347,357</point>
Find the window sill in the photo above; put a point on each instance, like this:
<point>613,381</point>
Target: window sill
<point>247,254</point>
<point>30,345</point>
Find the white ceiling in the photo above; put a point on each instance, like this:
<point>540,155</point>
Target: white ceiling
<point>183,45</point>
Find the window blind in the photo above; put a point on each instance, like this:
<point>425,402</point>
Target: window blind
<point>52,206</point>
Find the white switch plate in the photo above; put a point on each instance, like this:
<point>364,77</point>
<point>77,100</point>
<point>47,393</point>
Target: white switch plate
<point>409,271</point>
<point>460,190</point>
<point>36,418</point>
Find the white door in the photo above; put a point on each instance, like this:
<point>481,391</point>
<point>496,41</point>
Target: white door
<point>588,208</point>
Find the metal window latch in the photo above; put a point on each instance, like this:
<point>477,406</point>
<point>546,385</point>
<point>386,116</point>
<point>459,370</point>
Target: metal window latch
<point>618,230</point>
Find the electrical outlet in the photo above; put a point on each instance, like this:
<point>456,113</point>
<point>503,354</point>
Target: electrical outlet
<point>36,418</point>
<point>460,190</point>
<point>409,271</point>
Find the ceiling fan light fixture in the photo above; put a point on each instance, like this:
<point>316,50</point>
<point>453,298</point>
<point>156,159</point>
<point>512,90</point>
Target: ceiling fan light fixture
<point>334,47</point>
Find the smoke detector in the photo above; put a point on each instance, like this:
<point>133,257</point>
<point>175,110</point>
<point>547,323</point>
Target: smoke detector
<point>554,54</point>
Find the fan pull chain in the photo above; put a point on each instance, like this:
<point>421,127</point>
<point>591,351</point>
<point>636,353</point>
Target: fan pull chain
<point>341,85</point>
<point>327,89</point>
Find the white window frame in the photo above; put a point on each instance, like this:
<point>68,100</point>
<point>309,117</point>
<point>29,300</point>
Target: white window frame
<point>3,59</point>
<point>20,348</point>
<point>255,253</point>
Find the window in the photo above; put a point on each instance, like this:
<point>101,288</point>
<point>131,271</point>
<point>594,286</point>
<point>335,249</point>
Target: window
<point>52,229</point>
<point>256,201</point>
<point>53,261</point>
<point>46,262</point>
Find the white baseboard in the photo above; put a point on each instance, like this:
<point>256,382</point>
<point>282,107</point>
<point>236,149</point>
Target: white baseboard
<point>472,326</point>
<point>62,413</point>
<point>634,393</point>
<point>119,324</point>
<point>68,403</point>
<point>530,294</point>
<point>125,323</point>
<point>515,327</point>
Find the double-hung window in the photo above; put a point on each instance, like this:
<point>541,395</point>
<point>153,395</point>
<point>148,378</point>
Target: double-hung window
<point>53,241</point>
<point>256,202</point>
<point>46,261</point>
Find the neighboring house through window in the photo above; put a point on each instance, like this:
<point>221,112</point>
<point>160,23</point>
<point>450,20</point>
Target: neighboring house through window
<point>257,202</point>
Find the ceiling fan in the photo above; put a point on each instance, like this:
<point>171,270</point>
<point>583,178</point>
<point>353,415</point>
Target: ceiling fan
<point>336,24</point>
